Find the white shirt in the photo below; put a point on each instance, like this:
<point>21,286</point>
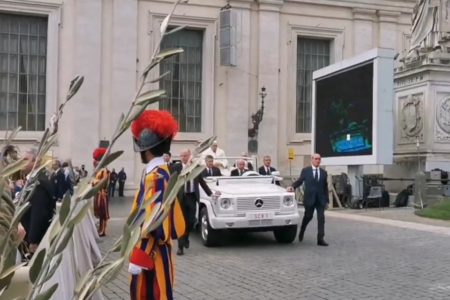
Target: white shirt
<point>155,162</point>
<point>314,172</point>
<point>219,156</point>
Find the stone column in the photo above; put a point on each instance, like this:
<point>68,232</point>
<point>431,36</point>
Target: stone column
<point>387,37</point>
<point>236,80</point>
<point>363,30</point>
<point>269,74</point>
<point>82,115</point>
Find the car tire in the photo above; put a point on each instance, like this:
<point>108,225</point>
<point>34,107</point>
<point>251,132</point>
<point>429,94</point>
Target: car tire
<point>207,233</point>
<point>285,234</point>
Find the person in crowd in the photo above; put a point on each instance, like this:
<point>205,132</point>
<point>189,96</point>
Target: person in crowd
<point>218,154</point>
<point>266,168</point>
<point>83,172</point>
<point>101,199</point>
<point>112,182</point>
<point>69,175</point>
<point>248,163</point>
<point>168,159</point>
<point>10,154</point>
<point>38,217</point>
<point>315,196</point>
<point>189,197</point>
<point>122,177</point>
<point>240,170</point>
<point>210,169</point>
<point>152,272</point>
<point>60,184</point>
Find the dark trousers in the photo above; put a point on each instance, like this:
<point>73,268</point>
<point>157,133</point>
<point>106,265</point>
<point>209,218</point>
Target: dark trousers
<point>121,185</point>
<point>188,205</point>
<point>112,189</point>
<point>309,213</point>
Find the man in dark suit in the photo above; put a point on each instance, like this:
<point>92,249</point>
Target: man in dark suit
<point>59,181</point>
<point>315,196</point>
<point>38,217</point>
<point>240,168</point>
<point>266,169</point>
<point>189,196</point>
<point>210,169</point>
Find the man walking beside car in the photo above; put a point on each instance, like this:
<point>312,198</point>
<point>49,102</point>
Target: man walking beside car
<point>189,196</point>
<point>315,196</point>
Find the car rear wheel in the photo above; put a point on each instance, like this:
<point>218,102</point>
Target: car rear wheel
<point>285,234</point>
<point>209,235</point>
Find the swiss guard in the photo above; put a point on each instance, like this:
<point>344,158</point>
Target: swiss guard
<point>151,268</point>
<point>101,200</point>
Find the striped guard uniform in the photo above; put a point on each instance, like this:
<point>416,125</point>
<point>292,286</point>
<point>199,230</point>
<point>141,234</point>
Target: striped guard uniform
<point>157,284</point>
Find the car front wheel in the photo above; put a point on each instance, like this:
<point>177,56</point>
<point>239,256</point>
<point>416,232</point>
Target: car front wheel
<point>285,234</point>
<point>209,235</point>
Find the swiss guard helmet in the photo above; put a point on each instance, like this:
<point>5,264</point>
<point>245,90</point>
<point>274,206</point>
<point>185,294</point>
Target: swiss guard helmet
<point>154,130</point>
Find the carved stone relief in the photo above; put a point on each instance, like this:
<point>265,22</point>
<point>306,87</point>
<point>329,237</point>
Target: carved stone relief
<point>411,118</point>
<point>443,120</point>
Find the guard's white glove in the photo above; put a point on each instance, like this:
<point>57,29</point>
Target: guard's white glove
<point>134,269</point>
<point>216,195</point>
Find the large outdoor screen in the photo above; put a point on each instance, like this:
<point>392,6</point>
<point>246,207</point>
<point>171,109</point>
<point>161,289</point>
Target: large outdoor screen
<point>353,117</point>
<point>344,112</point>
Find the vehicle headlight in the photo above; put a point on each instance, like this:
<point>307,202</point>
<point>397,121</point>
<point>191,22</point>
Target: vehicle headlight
<point>288,200</point>
<point>225,203</point>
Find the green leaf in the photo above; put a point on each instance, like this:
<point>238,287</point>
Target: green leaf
<point>80,215</point>
<point>176,29</point>
<point>164,24</point>
<point>75,85</point>
<point>48,293</point>
<point>13,168</point>
<point>65,240</point>
<point>54,266</point>
<point>168,53</point>
<point>43,139</point>
<point>204,145</point>
<point>160,77</point>
<point>195,162</point>
<point>117,245</point>
<point>92,191</point>
<point>109,272</point>
<point>86,288</point>
<point>65,208</point>
<point>149,220</point>
<point>195,172</point>
<point>109,158</point>
<point>145,98</point>
<point>37,265</point>
<point>135,113</point>
<point>134,238</point>
<point>172,181</point>
<point>11,270</point>
<point>13,135</point>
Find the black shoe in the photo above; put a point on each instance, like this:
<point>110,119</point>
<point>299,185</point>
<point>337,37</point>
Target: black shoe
<point>186,244</point>
<point>300,236</point>
<point>180,251</point>
<point>322,243</point>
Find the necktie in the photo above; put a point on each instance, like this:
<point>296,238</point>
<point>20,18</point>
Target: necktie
<point>316,174</point>
<point>209,172</point>
<point>267,171</point>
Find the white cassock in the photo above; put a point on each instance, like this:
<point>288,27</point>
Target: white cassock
<point>219,156</point>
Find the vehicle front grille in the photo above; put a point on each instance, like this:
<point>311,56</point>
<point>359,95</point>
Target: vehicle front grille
<point>248,203</point>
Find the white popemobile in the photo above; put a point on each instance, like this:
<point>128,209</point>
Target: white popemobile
<point>251,202</point>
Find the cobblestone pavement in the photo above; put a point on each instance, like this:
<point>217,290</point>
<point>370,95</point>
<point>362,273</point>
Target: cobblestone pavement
<point>365,260</point>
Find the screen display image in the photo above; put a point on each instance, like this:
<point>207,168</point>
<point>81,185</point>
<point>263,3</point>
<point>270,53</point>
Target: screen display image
<point>344,112</point>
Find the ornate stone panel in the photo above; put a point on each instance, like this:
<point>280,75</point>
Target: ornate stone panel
<point>410,118</point>
<point>442,127</point>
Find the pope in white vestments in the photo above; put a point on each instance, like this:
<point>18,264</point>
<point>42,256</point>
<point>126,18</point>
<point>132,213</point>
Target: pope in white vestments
<point>219,156</point>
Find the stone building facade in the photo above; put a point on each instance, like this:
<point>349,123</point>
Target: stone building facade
<point>278,43</point>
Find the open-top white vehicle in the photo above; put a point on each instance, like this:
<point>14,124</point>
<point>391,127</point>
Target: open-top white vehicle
<point>250,202</point>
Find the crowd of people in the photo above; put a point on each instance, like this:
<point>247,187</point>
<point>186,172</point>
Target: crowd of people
<point>53,184</point>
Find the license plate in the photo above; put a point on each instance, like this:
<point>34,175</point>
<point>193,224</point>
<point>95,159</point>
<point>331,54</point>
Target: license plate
<point>261,216</point>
